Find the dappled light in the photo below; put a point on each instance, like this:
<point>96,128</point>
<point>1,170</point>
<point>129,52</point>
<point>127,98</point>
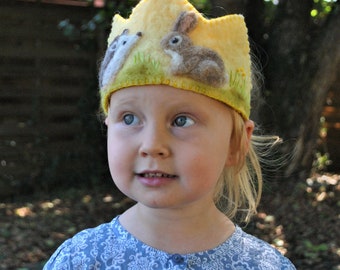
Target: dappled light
<point>23,211</point>
<point>323,187</point>
<point>31,231</point>
<point>305,223</point>
<point>271,232</point>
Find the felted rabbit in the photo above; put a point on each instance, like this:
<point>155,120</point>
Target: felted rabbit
<point>197,62</point>
<point>116,55</point>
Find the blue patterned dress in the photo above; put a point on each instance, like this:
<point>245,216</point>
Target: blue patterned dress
<point>110,246</point>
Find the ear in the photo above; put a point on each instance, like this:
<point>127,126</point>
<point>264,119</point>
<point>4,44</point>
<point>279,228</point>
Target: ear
<point>186,22</point>
<point>238,152</point>
<point>249,126</point>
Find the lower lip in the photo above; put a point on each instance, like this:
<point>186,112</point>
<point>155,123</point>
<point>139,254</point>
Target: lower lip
<point>155,181</point>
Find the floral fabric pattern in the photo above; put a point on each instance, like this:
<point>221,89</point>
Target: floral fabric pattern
<point>110,246</point>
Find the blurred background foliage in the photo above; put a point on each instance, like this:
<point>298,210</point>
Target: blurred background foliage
<point>294,47</point>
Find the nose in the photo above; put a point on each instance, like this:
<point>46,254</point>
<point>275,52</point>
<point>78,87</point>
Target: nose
<point>155,142</point>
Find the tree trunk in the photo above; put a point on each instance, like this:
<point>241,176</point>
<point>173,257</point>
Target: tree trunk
<point>300,71</point>
<point>301,62</point>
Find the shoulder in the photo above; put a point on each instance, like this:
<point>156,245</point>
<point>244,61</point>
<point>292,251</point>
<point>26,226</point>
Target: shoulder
<point>84,247</point>
<point>255,252</point>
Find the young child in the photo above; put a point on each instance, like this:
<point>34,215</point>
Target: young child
<point>175,89</point>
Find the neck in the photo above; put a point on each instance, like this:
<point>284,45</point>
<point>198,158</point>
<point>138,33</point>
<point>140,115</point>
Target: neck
<point>183,231</point>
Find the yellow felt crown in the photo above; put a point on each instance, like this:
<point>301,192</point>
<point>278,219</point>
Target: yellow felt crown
<point>170,42</point>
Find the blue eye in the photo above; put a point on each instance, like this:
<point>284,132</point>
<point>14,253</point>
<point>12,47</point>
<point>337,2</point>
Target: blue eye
<point>130,119</point>
<point>183,121</point>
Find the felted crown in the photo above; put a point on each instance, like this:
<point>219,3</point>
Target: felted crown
<point>171,43</point>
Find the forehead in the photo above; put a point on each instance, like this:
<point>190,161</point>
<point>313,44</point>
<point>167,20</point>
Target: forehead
<point>163,93</point>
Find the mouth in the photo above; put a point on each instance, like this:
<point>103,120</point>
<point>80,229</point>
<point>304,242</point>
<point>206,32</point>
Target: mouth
<point>156,175</point>
<point>155,179</point>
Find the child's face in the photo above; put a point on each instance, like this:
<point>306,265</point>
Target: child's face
<point>167,147</point>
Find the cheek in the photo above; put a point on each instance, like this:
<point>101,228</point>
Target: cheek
<point>118,157</point>
<point>120,166</point>
<point>207,166</point>
<point>217,161</point>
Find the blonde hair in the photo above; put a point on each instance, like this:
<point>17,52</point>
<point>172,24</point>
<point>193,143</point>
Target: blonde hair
<point>238,191</point>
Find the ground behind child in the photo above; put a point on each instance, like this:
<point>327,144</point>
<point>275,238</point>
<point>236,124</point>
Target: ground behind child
<point>304,226</point>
